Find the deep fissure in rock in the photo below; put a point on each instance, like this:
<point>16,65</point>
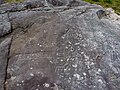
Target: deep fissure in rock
<point>8,57</point>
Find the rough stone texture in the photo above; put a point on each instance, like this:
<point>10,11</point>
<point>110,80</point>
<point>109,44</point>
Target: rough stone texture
<point>57,2</point>
<point>35,68</point>
<point>5,25</point>
<point>14,7</point>
<point>72,47</point>
<point>1,2</point>
<point>4,51</point>
<point>23,19</point>
<point>74,3</point>
<point>31,4</point>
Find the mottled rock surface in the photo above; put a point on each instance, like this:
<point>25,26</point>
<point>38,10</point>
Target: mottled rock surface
<point>4,56</point>
<point>1,2</point>
<point>5,25</point>
<point>62,45</point>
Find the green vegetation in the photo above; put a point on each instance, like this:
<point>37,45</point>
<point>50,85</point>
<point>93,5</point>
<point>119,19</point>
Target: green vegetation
<point>13,0</point>
<point>115,4</point>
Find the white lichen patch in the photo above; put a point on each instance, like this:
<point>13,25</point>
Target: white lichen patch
<point>13,78</point>
<point>63,37</point>
<point>86,57</point>
<point>51,61</point>
<point>99,70</point>
<point>100,80</point>
<point>38,72</point>
<point>74,65</point>
<point>31,74</point>
<point>31,68</point>
<point>84,74</point>
<point>33,60</point>
<point>22,81</point>
<point>46,85</point>
<point>88,64</point>
<point>18,84</point>
<point>81,78</point>
<point>69,42</point>
<point>66,47</point>
<point>82,52</point>
<point>39,45</point>
<point>28,57</point>
<point>76,75</point>
<point>67,59</point>
<point>92,63</point>
<point>38,85</point>
<point>61,60</point>
<point>56,87</point>
<point>77,43</point>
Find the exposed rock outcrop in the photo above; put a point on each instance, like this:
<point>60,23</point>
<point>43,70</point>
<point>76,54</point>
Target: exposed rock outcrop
<point>4,57</point>
<point>59,45</point>
<point>5,25</point>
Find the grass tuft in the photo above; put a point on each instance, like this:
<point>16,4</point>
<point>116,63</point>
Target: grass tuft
<point>14,1</point>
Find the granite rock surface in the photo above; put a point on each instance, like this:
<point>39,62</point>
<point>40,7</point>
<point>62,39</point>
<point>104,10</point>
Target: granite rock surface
<point>59,45</point>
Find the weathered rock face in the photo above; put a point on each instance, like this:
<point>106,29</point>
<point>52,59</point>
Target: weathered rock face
<point>74,46</point>
<point>1,2</point>
<point>5,25</point>
<point>4,55</point>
